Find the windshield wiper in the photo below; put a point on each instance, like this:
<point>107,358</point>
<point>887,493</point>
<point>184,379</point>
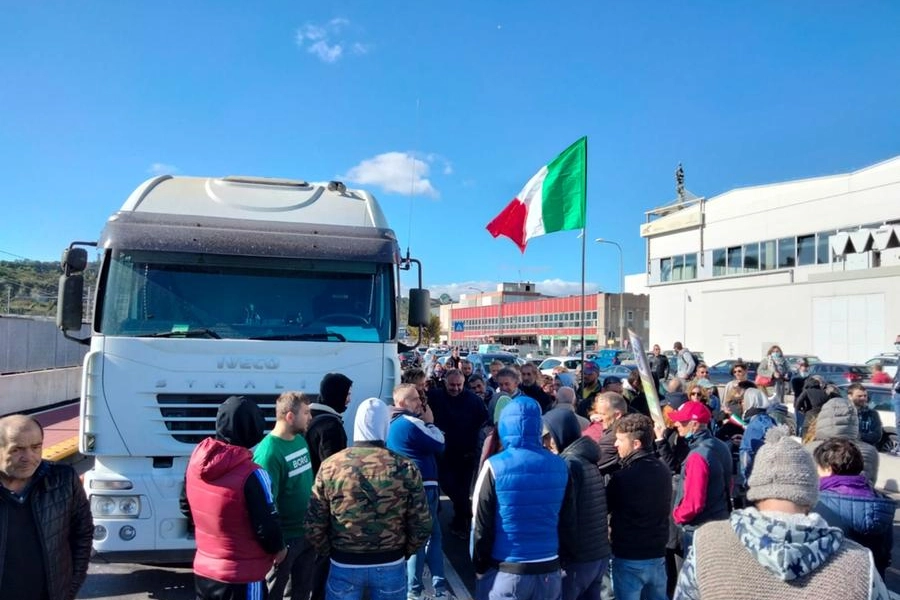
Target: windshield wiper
<point>301,336</point>
<point>188,333</point>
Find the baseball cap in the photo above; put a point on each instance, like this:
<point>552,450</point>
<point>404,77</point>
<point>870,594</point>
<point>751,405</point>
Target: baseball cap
<point>590,367</point>
<point>691,411</point>
<point>611,380</point>
<point>706,383</point>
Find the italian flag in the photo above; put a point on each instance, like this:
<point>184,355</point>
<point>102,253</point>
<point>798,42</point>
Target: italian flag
<point>554,199</point>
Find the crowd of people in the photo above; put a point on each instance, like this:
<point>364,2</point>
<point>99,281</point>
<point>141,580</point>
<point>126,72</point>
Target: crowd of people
<point>571,486</point>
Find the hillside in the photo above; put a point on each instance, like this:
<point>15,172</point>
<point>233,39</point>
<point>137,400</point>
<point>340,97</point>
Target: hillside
<point>29,287</point>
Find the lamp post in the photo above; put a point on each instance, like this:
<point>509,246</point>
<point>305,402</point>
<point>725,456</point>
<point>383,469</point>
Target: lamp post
<point>621,289</point>
<point>480,298</point>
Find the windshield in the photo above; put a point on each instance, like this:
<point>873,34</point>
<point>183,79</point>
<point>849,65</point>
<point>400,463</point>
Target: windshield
<point>159,294</point>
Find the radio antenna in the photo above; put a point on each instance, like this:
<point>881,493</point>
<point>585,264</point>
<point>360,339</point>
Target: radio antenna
<point>412,179</point>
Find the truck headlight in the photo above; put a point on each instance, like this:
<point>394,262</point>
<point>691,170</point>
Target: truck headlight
<point>115,506</point>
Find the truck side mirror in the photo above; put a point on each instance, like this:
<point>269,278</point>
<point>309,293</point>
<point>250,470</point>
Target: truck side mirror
<point>419,307</point>
<point>74,260</point>
<point>69,307</point>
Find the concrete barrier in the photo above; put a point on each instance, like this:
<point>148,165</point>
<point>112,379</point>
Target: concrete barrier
<point>36,389</point>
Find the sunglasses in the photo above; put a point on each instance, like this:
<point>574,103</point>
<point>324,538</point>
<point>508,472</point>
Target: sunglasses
<point>696,394</point>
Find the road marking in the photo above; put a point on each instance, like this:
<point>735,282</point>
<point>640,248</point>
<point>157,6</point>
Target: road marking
<point>61,450</point>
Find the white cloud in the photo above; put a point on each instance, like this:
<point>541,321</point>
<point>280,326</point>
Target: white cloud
<point>394,172</point>
<point>548,287</point>
<point>325,52</point>
<point>325,41</point>
<point>162,169</point>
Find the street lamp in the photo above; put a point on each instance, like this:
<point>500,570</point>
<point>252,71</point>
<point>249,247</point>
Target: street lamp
<point>622,288</point>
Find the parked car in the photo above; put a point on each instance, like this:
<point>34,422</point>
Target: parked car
<point>794,360</point>
<point>620,371</point>
<point>548,364</point>
<point>888,360</point>
<point>841,373</point>
<point>880,400</point>
<point>481,362</point>
<point>611,356</point>
<point>720,373</point>
<point>410,359</point>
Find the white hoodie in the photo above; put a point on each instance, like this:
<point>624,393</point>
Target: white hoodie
<point>373,417</point>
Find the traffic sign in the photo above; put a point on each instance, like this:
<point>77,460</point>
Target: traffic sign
<point>459,326</point>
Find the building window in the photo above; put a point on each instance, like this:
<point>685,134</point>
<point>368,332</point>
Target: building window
<point>767,255</point>
<point>787,252</point>
<point>734,259</point>
<point>665,269</point>
<point>751,258</point>
<point>719,268</point>
<point>823,250</point>
<point>806,249</point>
<point>677,268</point>
<point>690,266</point>
<point>629,316</point>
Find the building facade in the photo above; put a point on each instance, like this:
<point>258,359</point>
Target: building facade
<point>516,314</point>
<point>812,265</point>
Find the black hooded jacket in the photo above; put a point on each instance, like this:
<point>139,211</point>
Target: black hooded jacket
<point>582,526</point>
<point>812,398</point>
<point>325,434</point>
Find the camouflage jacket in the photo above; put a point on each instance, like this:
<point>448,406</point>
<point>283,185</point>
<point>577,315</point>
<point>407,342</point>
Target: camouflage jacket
<point>368,507</point>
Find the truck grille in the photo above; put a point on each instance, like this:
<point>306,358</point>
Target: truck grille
<point>192,417</point>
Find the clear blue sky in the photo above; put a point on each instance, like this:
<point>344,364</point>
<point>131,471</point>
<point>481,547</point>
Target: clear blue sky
<point>95,97</point>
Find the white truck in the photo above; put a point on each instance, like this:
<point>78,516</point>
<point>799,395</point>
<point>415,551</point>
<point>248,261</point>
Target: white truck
<point>211,287</point>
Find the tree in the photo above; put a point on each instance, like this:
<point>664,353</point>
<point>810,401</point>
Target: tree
<point>432,333</point>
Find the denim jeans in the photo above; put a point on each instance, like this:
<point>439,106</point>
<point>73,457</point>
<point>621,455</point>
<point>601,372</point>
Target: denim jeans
<point>639,579</point>
<point>430,554</point>
<point>495,585</point>
<point>584,580</point>
<point>381,582</point>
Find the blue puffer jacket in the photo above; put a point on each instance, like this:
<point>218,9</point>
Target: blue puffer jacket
<point>519,496</point>
<point>754,438</point>
<point>866,521</point>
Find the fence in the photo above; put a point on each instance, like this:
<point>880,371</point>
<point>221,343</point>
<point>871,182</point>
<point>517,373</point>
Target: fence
<point>35,344</point>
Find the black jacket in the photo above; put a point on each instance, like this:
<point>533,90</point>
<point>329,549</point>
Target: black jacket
<point>325,435</point>
<point>582,528</point>
<point>812,398</point>
<point>460,417</point>
<point>63,518</point>
<point>609,456</point>
<point>535,391</point>
<point>639,497</point>
<point>659,366</point>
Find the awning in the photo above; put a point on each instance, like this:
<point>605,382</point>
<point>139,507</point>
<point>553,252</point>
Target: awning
<point>840,243</point>
<point>886,237</point>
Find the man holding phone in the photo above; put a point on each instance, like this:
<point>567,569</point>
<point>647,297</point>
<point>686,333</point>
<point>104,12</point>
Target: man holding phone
<point>412,433</point>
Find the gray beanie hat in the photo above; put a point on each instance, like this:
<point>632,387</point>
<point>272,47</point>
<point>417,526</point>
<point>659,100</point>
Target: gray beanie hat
<point>783,470</point>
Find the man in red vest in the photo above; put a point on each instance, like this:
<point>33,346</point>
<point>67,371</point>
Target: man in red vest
<point>229,499</point>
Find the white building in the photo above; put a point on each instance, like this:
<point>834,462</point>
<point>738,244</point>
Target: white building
<point>812,265</point>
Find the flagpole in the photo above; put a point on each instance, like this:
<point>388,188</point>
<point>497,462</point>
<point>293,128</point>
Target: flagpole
<point>583,247</point>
